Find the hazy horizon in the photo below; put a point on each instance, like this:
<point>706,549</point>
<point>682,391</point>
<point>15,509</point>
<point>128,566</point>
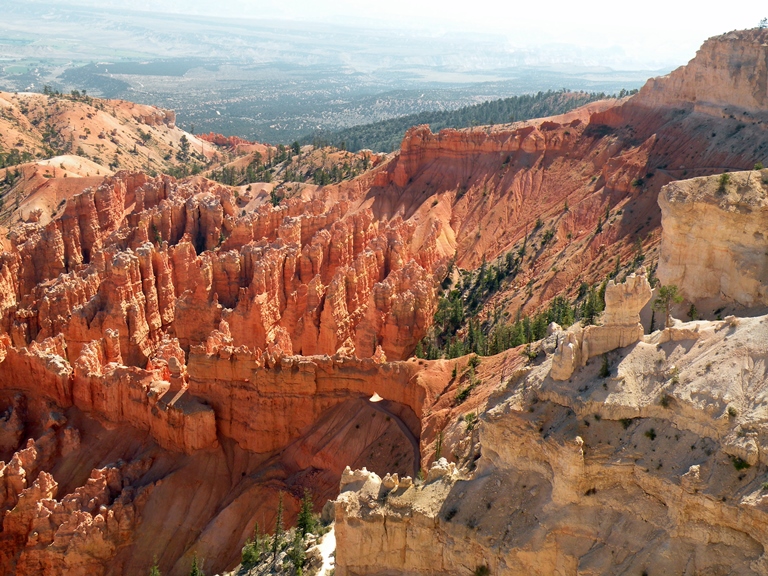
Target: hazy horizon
<point>276,72</point>
<point>659,35</point>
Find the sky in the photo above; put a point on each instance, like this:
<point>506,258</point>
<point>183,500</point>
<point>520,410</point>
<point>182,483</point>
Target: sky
<point>658,32</point>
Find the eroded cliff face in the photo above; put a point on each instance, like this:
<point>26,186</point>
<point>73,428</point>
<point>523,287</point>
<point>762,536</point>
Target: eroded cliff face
<point>149,257</point>
<point>589,178</point>
<point>729,73</point>
<point>713,245</point>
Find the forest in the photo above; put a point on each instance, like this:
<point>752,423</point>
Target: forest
<point>386,135</point>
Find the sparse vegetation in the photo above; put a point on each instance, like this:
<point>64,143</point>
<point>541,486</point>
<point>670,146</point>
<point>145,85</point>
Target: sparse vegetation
<point>463,393</point>
<point>723,182</point>
<point>285,551</point>
<point>155,569</point>
<point>255,548</point>
<point>277,537</point>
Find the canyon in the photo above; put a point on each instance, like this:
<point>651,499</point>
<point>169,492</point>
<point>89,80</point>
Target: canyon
<point>176,353</point>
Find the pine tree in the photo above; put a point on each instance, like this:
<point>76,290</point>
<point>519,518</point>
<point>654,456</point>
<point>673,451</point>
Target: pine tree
<point>668,295</point>
<point>155,570</point>
<point>277,538</point>
<point>306,522</point>
<point>251,553</point>
<point>196,570</point>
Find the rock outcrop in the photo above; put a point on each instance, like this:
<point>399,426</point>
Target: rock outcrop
<point>713,244</point>
<point>729,73</point>
<point>621,327</point>
<point>667,448</point>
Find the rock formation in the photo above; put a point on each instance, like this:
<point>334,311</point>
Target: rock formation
<point>729,73</point>
<point>149,308</point>
<point>621,327</point>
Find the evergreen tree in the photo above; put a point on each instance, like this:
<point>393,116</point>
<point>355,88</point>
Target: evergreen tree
<point>306,522</point>
<point>278,536</point>
<point>253,549</point>
<point>196,570</point>
<point>155,569</point>
<point>183,154</point>
<point>668,295</point>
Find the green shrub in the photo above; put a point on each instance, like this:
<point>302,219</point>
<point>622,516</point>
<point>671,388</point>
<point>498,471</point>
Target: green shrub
<point>154,570</point>
<point>740,464</point>
<point>255,548</point>
<point>462,394</point>
<point>724,180</point>
<point>297,553</point>
<point>196,570</point>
